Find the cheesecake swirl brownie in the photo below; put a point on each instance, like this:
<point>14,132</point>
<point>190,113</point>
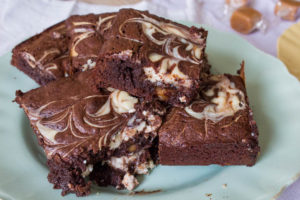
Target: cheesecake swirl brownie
<point>87,35</point>
<point>85,132</point>
<point>123,91</point>
<point>216,128</point>
<point>63,49</point>
<point>44,57</point>
<point>149,56</point>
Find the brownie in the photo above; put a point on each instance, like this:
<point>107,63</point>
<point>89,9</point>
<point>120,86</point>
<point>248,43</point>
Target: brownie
<point>216,128</point>
<point>43,57</point>
<point>86,132</point>
<point>63,49</point>
<point>87,33</point>
<point>149,56</point>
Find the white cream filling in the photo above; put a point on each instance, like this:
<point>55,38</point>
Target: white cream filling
<point>168,78</point>
<point>89,65</point>
<point>123,162</point>
<point>116,141</point>
<point>143,168</point>
<point>122,102</point>
<point>80,30</point>
<point>129,181</point>
<point>182,99</point>
<point>89,169</point>
<point>229,100</point>
<point>47,132</point>
<point>128,132</point>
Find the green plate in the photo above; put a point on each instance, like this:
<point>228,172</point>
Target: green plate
<point>274,96</point>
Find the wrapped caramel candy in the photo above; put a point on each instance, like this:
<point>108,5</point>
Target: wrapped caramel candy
<point>236,3</point>
<point>287,9</point>
<point>232,5</point>
<point>246,19</point>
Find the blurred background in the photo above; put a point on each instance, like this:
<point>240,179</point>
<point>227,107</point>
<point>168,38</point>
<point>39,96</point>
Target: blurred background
<point>20,19</point>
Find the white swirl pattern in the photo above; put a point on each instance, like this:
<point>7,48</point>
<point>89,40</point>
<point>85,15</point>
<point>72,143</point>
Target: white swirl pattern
<point>76,121</point>
<point>174,39</point>
<point>88,31</point>
<point>227,102</point>
<point>50,67</point>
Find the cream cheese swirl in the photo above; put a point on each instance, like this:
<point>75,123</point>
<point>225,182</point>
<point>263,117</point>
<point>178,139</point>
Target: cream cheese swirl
<point>79,121</point>
<point>227,102</point>
<point>173,40</point>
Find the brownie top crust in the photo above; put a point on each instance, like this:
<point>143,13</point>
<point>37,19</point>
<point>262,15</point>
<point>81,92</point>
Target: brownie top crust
<point>69,118</point>
<point>46,51</point>
<point>221,114</point>
<point>169,53</point>
<point>87,33</point>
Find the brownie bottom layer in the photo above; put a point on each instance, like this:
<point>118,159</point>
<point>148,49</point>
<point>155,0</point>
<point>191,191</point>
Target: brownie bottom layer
<point>104,175</point>
<point>117,171</point>
<point>207,154</point>
<point>67,177</point>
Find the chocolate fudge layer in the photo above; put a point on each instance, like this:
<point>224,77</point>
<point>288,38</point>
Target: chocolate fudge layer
<point>84,131</point>
<point>217,128</point>
<point>149,56</point>
<point>87,33</point>
<point>43,57</point>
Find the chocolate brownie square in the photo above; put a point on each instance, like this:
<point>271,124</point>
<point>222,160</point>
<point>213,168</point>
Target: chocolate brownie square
<point>216,128</point>
<point>149,56</point>
<point>102,136</point>
<point>43,57</point>
<point>87,33</point>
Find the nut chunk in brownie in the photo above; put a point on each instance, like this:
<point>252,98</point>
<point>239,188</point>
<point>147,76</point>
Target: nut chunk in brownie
<point>104,136</point>
<point>43,57</point>
<point>149,56</point>
<point>217,128</point>
<point>87,34</point>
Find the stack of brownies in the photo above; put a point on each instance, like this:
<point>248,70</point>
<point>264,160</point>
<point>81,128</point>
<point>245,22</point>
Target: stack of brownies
<point>122,92</point>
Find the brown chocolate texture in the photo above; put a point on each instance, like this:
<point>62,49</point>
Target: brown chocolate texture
<point>93,133</point>
<point>87,34</point>
<point>151,56</point>
<point>43,57</point>
<point>217,128</point>
<point>79,128</point>
<point>63,49</point>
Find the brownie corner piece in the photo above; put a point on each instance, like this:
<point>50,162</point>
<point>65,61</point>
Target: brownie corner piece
<point>44,56</point>
<point>150,56</point>
<point>85,133</point>
<point>217,128</point>
<point>87,33</point>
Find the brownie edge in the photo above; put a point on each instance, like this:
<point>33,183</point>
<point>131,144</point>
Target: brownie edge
<point>216,128</point>
<point>152,57</point>
<point>43,57</point>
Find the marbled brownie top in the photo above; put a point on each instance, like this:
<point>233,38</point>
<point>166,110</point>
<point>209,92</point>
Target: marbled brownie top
<point>70,118</point>
<point>63,49</point>
<point>87,33</point>
<point>221,114</point>
<point>169,53</point>
<point>46,51</point>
